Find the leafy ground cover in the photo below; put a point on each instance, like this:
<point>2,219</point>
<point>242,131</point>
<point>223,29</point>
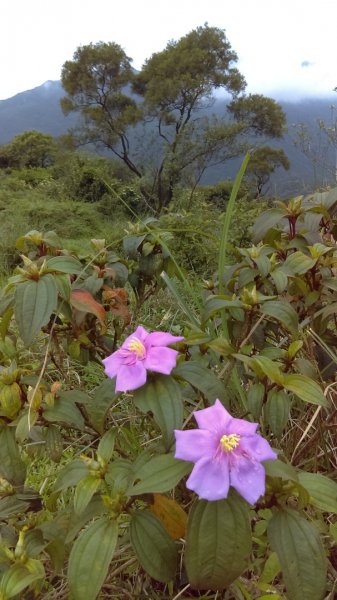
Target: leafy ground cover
<point>156,483</point>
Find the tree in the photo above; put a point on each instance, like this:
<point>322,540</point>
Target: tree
<point>263,162</point>
<point>97,83</point>
<point>171,96</point>
<point>31,149</point>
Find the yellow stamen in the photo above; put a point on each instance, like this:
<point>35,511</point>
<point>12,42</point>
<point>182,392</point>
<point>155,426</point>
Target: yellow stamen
<point>230,442</point>
<point>136,346</point>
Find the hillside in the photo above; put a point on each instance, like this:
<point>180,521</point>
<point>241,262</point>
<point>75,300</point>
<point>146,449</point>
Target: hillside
<point>39,109</point>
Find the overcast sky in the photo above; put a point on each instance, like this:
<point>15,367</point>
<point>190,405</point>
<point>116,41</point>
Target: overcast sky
<point>286,48</point>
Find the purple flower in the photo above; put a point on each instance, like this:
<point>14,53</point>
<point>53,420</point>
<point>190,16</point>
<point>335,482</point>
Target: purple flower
<point>141,352</point>
<point>226,452</point>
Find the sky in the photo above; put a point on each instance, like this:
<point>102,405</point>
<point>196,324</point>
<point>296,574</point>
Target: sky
<point>286,48</point>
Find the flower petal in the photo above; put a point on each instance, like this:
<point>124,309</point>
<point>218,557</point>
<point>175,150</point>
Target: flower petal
<point>112,364</point>
<point>130,377</point>
<point>140,333</point>
<point>160,360</point>
<point>248,478</point>
<point>195,444</point>
<point>242,427</point>
<point>210,478</point>
<point>215,418</point>
<point>161,338</point>
<point>257,448</point>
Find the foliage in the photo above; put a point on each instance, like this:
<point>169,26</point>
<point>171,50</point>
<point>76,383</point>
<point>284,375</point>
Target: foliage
<point>167,97</point>
<point>29,149</point>
<point>264,161</point>
<point>114,508</point>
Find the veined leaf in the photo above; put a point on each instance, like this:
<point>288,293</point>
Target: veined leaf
<point>90,558</point>
<point>12,467</point>
<point>301,555</point>
<point>170,514</point>
<point>84,491</point>
<point>299,263</point>
<point>277,468</point>
<point>203,379</point>
<point>266,221</point>
<point>218,542</point>
<point>35,301</point>
<point>155,549</point>
<point>322,490</point>
<point>281,311</point>
<point>83,301</point>
<point>16,579</point>
<point>162,397</point>
<point>276,411</point>
<point>159,474</point>
<point>64,411</point>
<point>65,264</point>
<point>215,304</point>
<point>305,388</point>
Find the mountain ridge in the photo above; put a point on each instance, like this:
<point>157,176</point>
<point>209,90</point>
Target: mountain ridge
<point>39,109</point>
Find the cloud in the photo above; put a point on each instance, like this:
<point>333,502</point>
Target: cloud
<point>307,63</point>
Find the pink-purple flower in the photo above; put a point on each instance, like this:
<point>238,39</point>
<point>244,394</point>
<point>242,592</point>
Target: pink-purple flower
<point>141,352</point>
<point>226,452</point>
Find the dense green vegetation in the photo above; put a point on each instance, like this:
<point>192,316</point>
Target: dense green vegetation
<point>133,309</point>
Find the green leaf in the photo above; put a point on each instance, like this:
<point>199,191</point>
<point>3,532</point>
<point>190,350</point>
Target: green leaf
<point>218,542</point>
<point>54,443</point>
<point>278,468</point>
<point>301,555</point>
<point>11,505</point>
<point>215,304</point>
<point>104,397</point>
<point>119,475</point>
<point>90,558</point>
<point>263,264</point>
<point>95,508</point>
<point>281,311</point>
<point>35,301</point>
<point>277,411</point>
<point>71,475</point>
<point>84,491</point>
<point>106,445</point>
<point>267,220</point>
<point>262,365</point>
<point>63,287</point>
<point>65,264</point>
<point>154,548</point>
<point>271,569</point>
<point>66,412</point>
<point>298,263</point>
<point>159,474</point>
<point>322,490</point>
<point>305,388</point>
<point>132,243</point>
<point>255,396</point>
<point>15,580</point>
<point>203,379</point>
<point>280,279</point>
<point>12,467</point>
<point>162,397</point>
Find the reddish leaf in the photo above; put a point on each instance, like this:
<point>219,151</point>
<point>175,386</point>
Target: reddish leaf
<point>117,299</point>
<point>84,302</point>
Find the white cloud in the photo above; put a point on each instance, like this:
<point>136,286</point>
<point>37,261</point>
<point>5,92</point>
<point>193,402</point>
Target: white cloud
<point>271,37</point>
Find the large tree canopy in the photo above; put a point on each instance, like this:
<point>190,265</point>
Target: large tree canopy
<point>169,96</point>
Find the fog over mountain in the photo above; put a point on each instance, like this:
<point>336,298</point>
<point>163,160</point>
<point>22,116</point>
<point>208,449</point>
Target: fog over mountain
<point>39,109</point>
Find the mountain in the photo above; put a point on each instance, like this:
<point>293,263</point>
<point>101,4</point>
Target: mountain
<point>39,109</point>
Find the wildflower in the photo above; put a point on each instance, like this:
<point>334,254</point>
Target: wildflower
<point>226,452</point>
<point>141,352</point>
